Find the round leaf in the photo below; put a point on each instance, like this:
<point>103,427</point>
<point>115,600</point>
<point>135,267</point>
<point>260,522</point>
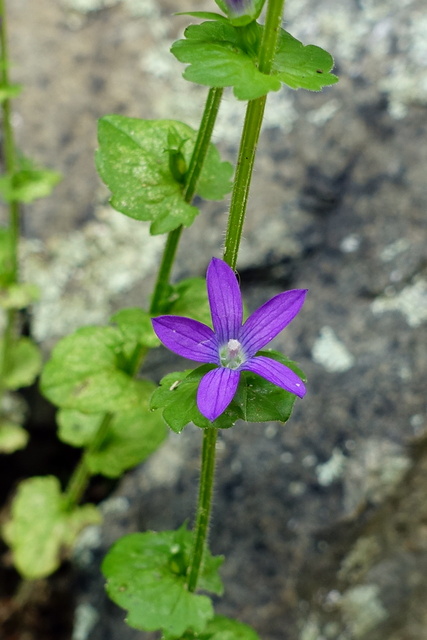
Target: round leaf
<point>133,161</point>
<point>41,529</point>
<point>146,574</point>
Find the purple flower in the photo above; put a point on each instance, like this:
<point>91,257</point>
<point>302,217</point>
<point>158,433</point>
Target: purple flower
<point>232,345</point>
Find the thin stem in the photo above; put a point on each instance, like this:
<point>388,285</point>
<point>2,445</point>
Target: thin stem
<point>196,165</point>
<point>239,198</point>
<point>9,158</point>
<point>79,480</point>
<point>250,137</point>
<point>204,506</point>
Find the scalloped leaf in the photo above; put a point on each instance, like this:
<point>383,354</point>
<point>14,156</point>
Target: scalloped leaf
<point>146,574</point>
<point>41,530</point>
<point>85,372</point>
<point>256,399</point>
<point>133,161</point>
<point>221,55</point>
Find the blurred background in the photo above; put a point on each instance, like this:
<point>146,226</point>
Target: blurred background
<point>323,521</point>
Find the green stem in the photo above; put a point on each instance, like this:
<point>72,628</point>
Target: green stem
<point>204,506</point>
<point>196,165</point>
<point>239,198</point>
<point>80,478</point>
<point>9,157</point>
<point>250,137</point>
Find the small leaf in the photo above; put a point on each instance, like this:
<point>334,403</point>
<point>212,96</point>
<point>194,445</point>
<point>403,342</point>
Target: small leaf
<point>27,185</point>
<point>8,91</point>
<point>132,162</point>
<point>221,55</point>
<point>256,399</point>
<point>12,437</point>
<point>18,296</point>
<point>24,363</point>
<point>84,372</point>
<point>41,530</point>
<point>146,574</point>
<point>221,628</point>
<point>132,435</point>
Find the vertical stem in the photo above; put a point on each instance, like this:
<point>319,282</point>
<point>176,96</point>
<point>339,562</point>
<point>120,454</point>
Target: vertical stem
<point>250,137</point>
<point>9,158</point>
<point>204,506</point>
<point>239,198</point>
<point>196,165</point>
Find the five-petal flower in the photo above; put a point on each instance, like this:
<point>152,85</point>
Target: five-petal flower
<point>232,345</point>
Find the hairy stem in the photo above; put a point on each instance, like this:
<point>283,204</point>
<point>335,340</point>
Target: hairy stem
<point>250,137</point>
<point>239,198</point>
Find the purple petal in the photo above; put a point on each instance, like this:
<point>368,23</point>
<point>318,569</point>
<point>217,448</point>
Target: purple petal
<point>267,321</point>
<point>225,300</point>
<point>216,391</point>
<point>188,338</point>
<point>277,373</point>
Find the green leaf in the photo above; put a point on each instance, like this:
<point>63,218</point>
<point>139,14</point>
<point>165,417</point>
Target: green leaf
<point>146,574</point>
<point>133,162</point>
<point>221,55</point>
<point>41,530</point>
<point>24,363</point>
<point>256,399</point>
<point>135,325</point>
<point>84,372</point>
<point>8,91</point>
<point>18,296</point>
<point>221,628</point>
<point>12,437</point>
<point>132,435</point>
<point>189,298</point>
<point>28,183</point>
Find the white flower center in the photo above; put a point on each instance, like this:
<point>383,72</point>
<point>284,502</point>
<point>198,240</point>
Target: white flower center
<point>231,354</point>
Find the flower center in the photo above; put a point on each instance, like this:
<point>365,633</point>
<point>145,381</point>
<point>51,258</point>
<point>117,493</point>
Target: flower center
<point>231,354</point>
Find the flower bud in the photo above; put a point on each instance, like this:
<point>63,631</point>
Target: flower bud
<point>241,12</point>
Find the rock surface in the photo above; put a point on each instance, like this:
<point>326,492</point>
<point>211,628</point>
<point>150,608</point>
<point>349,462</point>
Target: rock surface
<point>322,521</point>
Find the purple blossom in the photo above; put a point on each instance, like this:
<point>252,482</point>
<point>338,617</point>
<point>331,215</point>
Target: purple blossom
<point>232,345</point>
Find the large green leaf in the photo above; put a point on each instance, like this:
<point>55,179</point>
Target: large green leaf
<point>85,372</point>
<point>133,161</point>
<point>256,399</point>
<point>24,363</point>
<point>132,435</point>
<point>146,574</point>
<point>221,55</point>
<point>41,529</point>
